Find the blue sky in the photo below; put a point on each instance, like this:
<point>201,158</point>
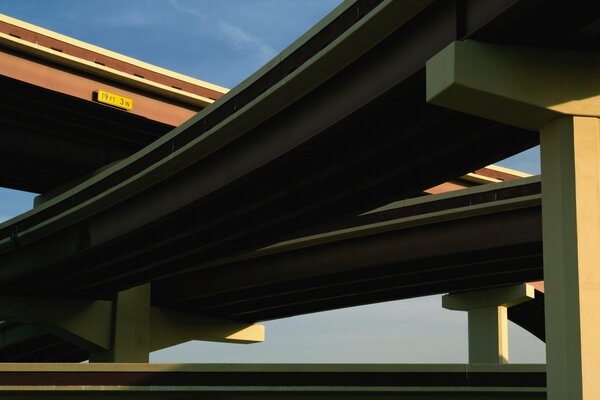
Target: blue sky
<point>222,42</point>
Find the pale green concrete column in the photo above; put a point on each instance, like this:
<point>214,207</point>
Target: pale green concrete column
<point>488,319</point>
<point>558,93</point>
<point>130,327</point>
<point>570,152</point>
<point>488,335</point>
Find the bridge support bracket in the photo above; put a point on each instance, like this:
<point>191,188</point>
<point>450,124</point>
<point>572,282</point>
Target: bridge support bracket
<point>488,322</point>
<point>125,329</point>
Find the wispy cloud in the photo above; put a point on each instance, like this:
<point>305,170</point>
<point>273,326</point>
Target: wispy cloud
<point>244,40</point>
<point>185,9</point>
<point>239,38</point>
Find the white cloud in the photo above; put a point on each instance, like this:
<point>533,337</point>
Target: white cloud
<point>243,40</point>
<point>239,38</point>
<point>184,9</point>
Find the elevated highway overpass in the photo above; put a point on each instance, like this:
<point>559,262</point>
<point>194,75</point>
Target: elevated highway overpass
<point>341,111</point>
<point>334,127</point>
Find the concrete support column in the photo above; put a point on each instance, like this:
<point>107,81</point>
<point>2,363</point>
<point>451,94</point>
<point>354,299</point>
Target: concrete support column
<point>556,92</point>
<point>488,335</point>
<point>488,321</point>
<point>570,152</point>
<point>130,327</point>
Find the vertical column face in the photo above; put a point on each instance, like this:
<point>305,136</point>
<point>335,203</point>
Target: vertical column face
<point>571,230</point>
<point>130,327</point>
<point>488,336</point>
<point>488,319</point>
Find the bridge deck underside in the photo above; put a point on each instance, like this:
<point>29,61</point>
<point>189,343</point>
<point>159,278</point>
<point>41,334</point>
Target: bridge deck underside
<point>50,139</point>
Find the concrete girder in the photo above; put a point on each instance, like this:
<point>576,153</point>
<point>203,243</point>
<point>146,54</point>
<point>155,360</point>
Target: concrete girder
<point>523,87</point>
<point>271,381</point>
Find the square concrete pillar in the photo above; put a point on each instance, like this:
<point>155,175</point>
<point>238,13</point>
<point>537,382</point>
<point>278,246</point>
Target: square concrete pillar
<point>130,328</point>
<point>488,321</point>
<point>488,335</point>
<point>570,153</point>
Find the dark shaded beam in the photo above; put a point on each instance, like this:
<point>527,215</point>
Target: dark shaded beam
<point>530,316</point>
<point>544,24</point>
<point>30,343</point>
<point>465,242</point>
<point>376,290</point>
<point>488,222</point>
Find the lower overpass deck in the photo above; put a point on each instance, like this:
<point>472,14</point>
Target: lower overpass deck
<point>272,381</point>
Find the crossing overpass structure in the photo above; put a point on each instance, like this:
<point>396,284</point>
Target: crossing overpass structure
<point>298,162</point>
<point>53,81</point>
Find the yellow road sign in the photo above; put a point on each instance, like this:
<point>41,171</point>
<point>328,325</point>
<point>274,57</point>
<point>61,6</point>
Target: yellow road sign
<point>114,100</point>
